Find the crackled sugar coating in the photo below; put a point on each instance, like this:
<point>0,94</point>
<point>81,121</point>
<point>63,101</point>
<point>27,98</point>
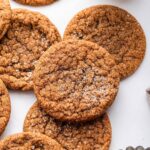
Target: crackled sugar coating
<point>5,107</point>
<point>5,16</point>
<point>29,36</point>
<point>29,141</point>
<point>35,2</point>
<point>114,29</point>
<point>93,135</point>
<point>78,80</point>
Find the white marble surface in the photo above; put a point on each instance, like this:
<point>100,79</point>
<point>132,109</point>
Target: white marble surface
<point>130,113</point>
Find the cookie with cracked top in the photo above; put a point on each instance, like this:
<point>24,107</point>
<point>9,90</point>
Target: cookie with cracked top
<point>29,141</point>
<point>35,2</point>
<point>78,80</point>
<point>114,29</point>
<point>5,107</point>
<point>5,17</point>
<point>30,34</point>
<point>93,135</point>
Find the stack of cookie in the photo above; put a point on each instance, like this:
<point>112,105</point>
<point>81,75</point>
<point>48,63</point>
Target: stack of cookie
<point>75,80</point>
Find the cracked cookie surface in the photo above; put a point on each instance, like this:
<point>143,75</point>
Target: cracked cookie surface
<point>29,141</point>
<point>35,2</point>
<point>5,107</point>
<point>30,34</point>
<point>78,80</point>
<point>5,16</point>
<point>114,29</point>
<point>93,135</point>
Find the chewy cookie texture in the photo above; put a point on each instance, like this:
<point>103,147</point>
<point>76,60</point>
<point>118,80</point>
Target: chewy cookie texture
<point>75,80</point>
<point>93,135</point>
<point>30,34</point>
<point>5,16</point>
<point>29,141</point>
<point>5,107</point>
<point>78,80</point>
<point>114,29</point>
<point>35,2</point>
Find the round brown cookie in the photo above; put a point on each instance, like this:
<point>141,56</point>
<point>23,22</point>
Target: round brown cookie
<point>29,141</point>
<point>5,107</point>
<point>75,80</point>
<point>35,2</point>
<point>93,135</point>
<point>29,36</point>
<point>114,29</point>
<point>5,16</point>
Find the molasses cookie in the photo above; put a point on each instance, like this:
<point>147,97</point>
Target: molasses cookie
<point>114,29</point>
<point>76,80</point>
<point>5,107</point>
<point>30,34</point>
<point>5,16</point>
<point>35,2</point>
<point>29,141</point>
<point>93,135</point>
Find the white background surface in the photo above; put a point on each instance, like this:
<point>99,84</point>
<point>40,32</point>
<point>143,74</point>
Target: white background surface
<point>130,113</point>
